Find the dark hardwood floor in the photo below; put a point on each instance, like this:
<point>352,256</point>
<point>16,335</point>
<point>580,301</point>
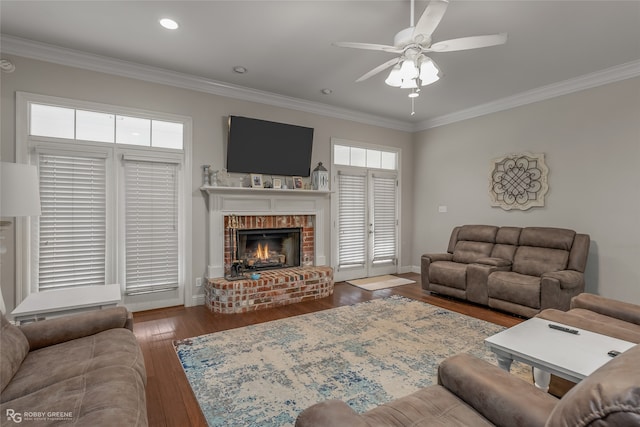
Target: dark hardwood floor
<point>170,401</point>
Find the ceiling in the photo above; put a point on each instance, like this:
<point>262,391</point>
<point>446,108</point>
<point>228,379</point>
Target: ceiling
<point>287,49</point>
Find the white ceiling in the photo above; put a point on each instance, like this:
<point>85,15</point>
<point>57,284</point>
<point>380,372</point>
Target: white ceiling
<point>286,45</point>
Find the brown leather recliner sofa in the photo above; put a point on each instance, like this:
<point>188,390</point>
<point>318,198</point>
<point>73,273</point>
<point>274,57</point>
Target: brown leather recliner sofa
<point>472,392</point>
<point>82,370</point>
<point>518,270</point>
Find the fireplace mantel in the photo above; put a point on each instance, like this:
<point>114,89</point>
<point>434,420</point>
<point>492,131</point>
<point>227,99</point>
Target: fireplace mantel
<point>224,201</point>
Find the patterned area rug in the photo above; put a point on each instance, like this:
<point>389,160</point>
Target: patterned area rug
<point>364,354</point>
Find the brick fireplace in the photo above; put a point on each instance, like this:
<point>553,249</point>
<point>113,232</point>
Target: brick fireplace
<point>256,212</point>
<point>233,224</point>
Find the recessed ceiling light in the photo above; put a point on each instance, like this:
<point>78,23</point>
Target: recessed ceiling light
<point>169,24</point>
<point>239,69</point>
<point>326,91</point>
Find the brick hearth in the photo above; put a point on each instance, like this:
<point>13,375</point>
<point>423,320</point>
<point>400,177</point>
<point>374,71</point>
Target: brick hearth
<point>274,288</point>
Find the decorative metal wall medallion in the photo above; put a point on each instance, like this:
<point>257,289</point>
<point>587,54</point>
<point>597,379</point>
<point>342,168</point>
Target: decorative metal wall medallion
<point>518,181</point>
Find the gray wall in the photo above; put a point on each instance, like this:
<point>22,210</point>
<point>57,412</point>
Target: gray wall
<point>591,142</point>
<point>209,137</point>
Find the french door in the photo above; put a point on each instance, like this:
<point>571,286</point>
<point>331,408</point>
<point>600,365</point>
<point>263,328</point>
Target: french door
<point>365,223</point>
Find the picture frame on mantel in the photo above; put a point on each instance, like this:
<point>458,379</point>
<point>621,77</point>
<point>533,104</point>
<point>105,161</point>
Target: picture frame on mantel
<point>256,180</point>
<point>297,183</point>
<point>277,183</point>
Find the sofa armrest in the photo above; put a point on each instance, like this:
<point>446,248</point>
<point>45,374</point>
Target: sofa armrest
<point>502,398</point>
<point>58,330</point>
<point>568,279</point>
<point>438,257</point>
<point>330,413</point>
<point>494,262</point>
<point>625,311</point>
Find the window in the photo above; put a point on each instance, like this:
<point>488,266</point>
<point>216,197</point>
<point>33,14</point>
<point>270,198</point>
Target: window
<point>364,157</point>
<point>72,226</point>
<point>107,171</point>
<point>151,216</point>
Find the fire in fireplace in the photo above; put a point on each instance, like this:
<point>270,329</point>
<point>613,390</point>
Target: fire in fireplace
<point>262,249</point>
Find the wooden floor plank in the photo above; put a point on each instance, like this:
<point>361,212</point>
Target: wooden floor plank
<point>170,400</point>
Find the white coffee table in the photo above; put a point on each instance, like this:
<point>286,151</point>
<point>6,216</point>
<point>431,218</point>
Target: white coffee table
<point>61,302</point>
<point>549,351</point>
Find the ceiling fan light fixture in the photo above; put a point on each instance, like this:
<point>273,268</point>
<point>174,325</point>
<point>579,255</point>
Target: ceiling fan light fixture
<point>409,84</point>
<point>408,70</point>
<point>395,77</point>
<point>428,72</point>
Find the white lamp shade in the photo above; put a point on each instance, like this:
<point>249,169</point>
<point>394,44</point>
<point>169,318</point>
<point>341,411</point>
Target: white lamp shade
<point>408,70</point>
<point>409,84</point>
<point>395,77</point>
<point>428,72</point>
<point>19,190</point>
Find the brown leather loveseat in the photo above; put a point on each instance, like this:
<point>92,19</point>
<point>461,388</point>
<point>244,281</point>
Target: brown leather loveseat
<point>518,270</point>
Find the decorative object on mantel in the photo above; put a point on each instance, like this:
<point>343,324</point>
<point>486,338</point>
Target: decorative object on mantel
<point>518,181</point>
<point>297,183</point>
<point>206,174</point>
<point>277,183</point>
<point>320,178</point>
<point>256,180</point>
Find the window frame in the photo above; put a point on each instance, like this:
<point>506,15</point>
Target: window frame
<point>25,150</point>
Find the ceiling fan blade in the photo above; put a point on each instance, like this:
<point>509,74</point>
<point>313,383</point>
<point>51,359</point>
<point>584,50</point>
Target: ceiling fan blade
<point>368,46</point>
<point>473,42</point>
<point>379,68</point>
<point>430,19</point>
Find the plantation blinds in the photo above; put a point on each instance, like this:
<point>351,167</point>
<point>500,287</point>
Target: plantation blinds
<point>352,220</point>
<point>72,227</point>
<point>151,216</point>
<point>384,218</point>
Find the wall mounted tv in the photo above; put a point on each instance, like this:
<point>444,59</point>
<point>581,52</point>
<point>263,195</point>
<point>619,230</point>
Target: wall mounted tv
<point>259,146</point>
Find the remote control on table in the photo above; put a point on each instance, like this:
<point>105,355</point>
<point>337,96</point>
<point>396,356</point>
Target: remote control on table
<point>563,329</point>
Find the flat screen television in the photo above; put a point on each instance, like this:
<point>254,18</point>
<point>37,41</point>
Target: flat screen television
<point>270,148</point>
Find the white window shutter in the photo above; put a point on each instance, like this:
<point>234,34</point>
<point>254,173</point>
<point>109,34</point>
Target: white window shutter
<point>151,216</point>
<point>384,218</point>
<point>72,227</point>
<point>352,220</point>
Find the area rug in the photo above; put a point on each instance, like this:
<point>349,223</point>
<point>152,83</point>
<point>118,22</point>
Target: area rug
<point>364,354</point>
<point>380,282</point>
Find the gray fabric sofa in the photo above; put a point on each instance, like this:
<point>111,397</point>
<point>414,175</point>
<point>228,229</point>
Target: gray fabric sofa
<point>518,270</point>
<point>83,370</point>
<point>472,392</point>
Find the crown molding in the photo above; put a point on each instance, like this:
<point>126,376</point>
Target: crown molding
<point>587,81</point>
<point>73,58</point>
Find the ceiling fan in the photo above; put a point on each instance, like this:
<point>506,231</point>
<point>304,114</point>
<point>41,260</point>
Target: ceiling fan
<point>412,68</point>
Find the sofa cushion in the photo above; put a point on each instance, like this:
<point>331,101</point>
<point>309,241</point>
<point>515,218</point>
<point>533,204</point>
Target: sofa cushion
<point>547,237</point>
<point>14,347</point>
<point>508,235</point>
<point>453,274</point>
<point>109,396</point>
<point>50,365</point>
<point>430,406</point>
<point>514,287</point>
<point>506,252</point>
<point>610,396</point>
<point>535,261</point>
<point>478,233</point>
<point>469,252</point>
